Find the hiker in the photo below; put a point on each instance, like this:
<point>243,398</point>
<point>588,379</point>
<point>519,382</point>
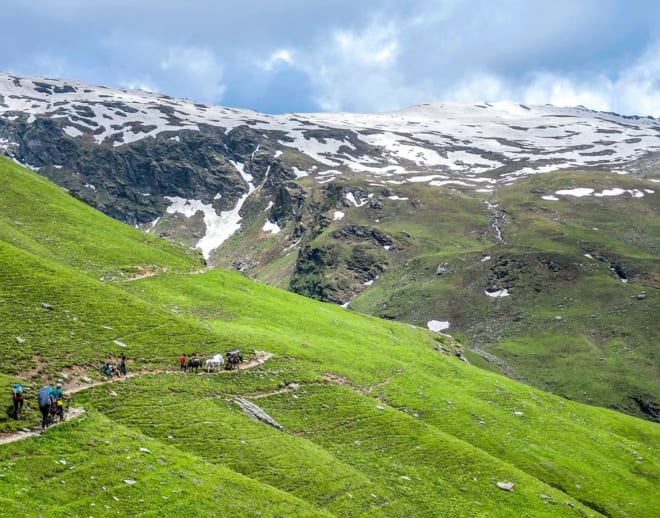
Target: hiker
<point>183,362</point>
<point>17,398</point>
<point>57,407</point>
<point>108,370</point>
<point>58,393</point>
<point>45,398</point>
<point>122,364</point>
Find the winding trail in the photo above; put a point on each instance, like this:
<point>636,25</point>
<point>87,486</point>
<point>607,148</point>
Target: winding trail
<point>76,386</point>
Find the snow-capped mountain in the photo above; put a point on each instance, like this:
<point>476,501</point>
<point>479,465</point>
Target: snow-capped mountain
<point>436,215</point>
<point>473,146</point>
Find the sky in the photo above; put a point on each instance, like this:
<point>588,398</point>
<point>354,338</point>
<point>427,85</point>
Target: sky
<point>278,56</point>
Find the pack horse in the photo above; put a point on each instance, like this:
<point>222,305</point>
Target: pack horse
<point>217,362</point>
<point>233,359</point>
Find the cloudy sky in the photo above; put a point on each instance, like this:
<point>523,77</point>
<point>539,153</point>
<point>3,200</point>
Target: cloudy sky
<point>351,55</point>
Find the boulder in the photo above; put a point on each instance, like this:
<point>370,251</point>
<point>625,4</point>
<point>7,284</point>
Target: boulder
<point>506,486</point>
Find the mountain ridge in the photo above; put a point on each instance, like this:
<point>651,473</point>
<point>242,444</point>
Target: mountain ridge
<point>393,214</point>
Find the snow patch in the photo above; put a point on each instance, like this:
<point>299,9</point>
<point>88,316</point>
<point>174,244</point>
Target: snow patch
<point>273,228</point>
<point>350,197</point>
<point>615,191</point>
<point>152,225</point>
<point>299,172</point>
<point>219,228</point>
<point>578,192</point>
<point>437,325</point>
<point>497,294</point>
<point>72,131</point>
<point>339,215</point>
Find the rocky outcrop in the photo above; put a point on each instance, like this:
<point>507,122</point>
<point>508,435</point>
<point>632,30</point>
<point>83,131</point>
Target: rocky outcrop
<point>361,233</point>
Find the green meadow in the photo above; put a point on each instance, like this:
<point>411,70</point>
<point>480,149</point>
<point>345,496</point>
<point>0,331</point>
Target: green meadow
<point>378,418</point>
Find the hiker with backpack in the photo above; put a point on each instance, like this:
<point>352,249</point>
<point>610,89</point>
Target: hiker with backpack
<point>17,398</point>
<point>45,397</point>
<point>109,370</point>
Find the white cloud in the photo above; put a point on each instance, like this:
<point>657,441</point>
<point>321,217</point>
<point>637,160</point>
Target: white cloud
<point>479,87</point>
<point>638,87</point>
<point>561,91</point>
<point>368,69</point>
<point>278,57</point>
<point>197,67</point>
<point>358,69</point>
<point>633,90</point>
<point>145,84</point>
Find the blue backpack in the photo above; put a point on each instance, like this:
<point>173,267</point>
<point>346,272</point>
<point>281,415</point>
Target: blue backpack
<point>44,397</point>
<point>17,390</point>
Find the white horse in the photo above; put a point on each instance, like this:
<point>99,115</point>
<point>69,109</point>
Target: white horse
<point>217,362</point>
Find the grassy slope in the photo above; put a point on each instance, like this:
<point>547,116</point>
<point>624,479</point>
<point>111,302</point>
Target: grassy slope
<point>39,217</point>
<point>604,350</point>
<point>382,423</point>
<point>447,395</point>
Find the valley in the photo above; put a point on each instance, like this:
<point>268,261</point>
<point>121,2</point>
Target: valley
<point>378,417</point>
<point>504,222</point>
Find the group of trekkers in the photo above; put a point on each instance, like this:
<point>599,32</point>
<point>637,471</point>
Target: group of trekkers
<point>51,402</point>
<point>109,369</point>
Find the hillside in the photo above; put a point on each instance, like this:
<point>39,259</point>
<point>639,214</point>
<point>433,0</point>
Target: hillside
<point>528,232</point>
<point>379,418</point>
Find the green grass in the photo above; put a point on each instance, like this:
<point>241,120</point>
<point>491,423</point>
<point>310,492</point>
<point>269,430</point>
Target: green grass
<point>383,419</point>
<point>39,217</point>
<point>548,276</point>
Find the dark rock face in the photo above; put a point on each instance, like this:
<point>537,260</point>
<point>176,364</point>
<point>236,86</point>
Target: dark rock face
<point>648,405</point>
<point>130,182</point>
<point>339,271</point>
<point>360,233</point>
<point>364,263</point>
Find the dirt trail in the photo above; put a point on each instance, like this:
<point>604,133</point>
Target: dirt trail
<point>75,386</point>
<point>145,273</point>
<point>71,413</point>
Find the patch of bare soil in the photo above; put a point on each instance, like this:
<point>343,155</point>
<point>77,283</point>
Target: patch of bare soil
<point>334,378</point>
<point>260,357</point>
